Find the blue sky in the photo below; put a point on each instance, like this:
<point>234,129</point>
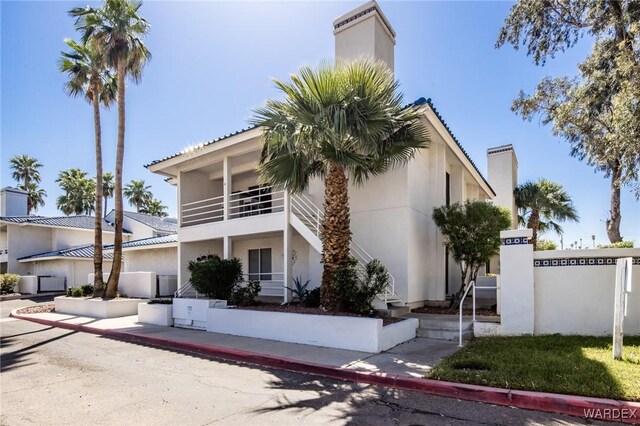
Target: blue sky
<point>212,64</point>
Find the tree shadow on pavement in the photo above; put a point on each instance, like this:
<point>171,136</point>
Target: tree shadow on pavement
<point>15,359</point>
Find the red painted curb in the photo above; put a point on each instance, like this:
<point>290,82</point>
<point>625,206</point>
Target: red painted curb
<point>540,401</point>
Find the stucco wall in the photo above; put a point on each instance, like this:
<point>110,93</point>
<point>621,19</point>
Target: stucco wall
<point>163,261</point>
<point>544,293</point>
<point>25,241</point>
<point>64,238</point>
<point>580,299</point>
<point>76,271</point>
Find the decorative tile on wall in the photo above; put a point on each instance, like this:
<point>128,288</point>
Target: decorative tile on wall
<point>514,241</point>
<point>581,261</point>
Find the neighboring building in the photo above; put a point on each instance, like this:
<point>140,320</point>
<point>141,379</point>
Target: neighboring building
<point>62,247</point>
<point>29,239</point>
<point>224,210</point>
<point>155,254</point>
<point>144,225</point>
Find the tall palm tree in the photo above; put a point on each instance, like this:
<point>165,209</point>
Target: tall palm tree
<point>79,192</point>
<point>542,205</point>
<point>137,194</point>
<point>117,30</point>
<point>25,169</point>
<point>154,208</point>
<point>107,189</point>
<point>35,196</point>
<point>339,122</point>
<point>90,78</point>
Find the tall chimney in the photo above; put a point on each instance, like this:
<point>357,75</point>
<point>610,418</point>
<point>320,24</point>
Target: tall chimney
<point>365,31</point>
<point>502,166</point>
<point>13,202</point>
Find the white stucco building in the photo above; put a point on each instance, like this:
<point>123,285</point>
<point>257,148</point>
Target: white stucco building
<point>223,209</point>
<point>62,247</point>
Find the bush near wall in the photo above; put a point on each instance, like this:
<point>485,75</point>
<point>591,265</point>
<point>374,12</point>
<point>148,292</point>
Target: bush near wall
<point>8,282</point>
<point>546,245</point>
<point>620,244</point>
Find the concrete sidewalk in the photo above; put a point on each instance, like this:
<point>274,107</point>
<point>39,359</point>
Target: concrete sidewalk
<point>413,358</point>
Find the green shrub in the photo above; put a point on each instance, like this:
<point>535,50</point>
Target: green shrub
<point>160,302</point>
<point>87,290</point>
<point>8,282</point>
<point>542,245</point>
<point>215,277</point>
<point>620,244</point>
<point>312,300</point>
<point>75,292</point>
<point>356,294</point>
<point>245,295</point>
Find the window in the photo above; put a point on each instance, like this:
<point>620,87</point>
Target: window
<point>260,264</point>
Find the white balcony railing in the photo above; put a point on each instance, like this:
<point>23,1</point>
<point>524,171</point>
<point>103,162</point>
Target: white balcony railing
<point>252,202</point>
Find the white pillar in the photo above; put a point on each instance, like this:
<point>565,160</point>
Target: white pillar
<point>226,185</point>
<point>517,307</point>
<point>286,241</point>
<point>227,247</point>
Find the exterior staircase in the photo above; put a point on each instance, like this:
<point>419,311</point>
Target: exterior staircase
<point>443,327</point>
<point>306,218</point>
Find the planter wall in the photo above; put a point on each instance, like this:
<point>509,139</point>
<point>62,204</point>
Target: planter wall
<point>96,308</point>
<point>192,313</point>
<point>157,314</point>
<point>28,284</point>
<point>353,333</point>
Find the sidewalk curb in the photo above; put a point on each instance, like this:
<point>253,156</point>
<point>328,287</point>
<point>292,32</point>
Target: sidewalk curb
<point>549,402</point>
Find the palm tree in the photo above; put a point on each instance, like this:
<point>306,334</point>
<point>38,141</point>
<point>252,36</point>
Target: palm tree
<point>35,196</point>
<point>79,192</point>
<point>25,169</point>
<point>154,208</point>
<point>137,194</point>
<point>107,189</point>
<point>90,78</point>
<point>542,205</point>
<point>340,122</point>
<point>116,29</point>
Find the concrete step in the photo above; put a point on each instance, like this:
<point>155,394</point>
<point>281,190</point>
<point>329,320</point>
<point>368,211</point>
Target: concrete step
<point>445,324</point>
<point>443,334</point>
<point>395,311</point>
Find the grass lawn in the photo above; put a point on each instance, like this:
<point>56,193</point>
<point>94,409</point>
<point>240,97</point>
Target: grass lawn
<point>575,365</point>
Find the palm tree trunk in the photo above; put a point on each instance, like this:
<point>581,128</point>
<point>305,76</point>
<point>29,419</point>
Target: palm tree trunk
<point>106,199</point>
<point>613,223</point>
<point>534,224</point>
<point>26,185</point>
<point>336,232</point>
<point>98,282</point>
<point>114,276</point>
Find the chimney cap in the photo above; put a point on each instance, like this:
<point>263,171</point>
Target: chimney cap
<point>371,8</point>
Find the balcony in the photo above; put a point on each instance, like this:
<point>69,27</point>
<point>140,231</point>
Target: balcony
<point>258,200</point>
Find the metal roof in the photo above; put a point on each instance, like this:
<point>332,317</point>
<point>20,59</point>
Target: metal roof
<point>144,242</point>
<point>161,224</point>
<point>78,222</point>
<point>79,252</point>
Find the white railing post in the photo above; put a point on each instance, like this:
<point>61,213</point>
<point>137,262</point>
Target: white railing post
<point>226,187</point>
<point>287,245</point>
<point>473,296</point>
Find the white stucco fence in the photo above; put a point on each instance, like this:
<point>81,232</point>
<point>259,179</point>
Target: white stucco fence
<point>96,308</point>
<point>135,284</point>
<point>157,314</point>
<point>353,333</point>
<point>561,291</point>
<point>28,284</point>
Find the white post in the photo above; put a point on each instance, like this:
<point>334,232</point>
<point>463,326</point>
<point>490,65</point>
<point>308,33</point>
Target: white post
<point>286,241</point>
<point>623,285</point>
<point>226,186</point>
<point>227,247</point>
<point>517,304</point>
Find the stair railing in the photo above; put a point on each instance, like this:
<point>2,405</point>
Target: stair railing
<point>471,286</point>
<point>184,288</point>
<point>301,205</point>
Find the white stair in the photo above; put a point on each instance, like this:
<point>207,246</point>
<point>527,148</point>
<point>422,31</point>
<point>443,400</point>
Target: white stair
<point>306,218</point>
